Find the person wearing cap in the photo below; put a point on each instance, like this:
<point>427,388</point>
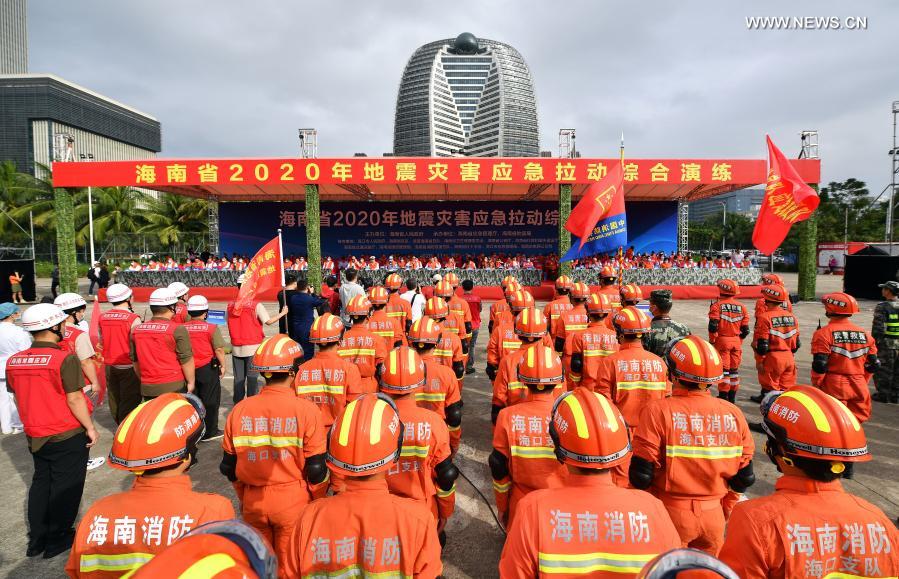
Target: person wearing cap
<point>561,303</point>
<point>302,307</point>
<point>885,331</point>
<point>76,340</point>
<point>588,526</point>
<point>161,350</point>
<point>13,340</point>
<point>586,350</point>
<point>425,471</point>
<point>157,442</point>
<point>365,528</point>
<point>209,361</point>
<point>397,308</point>
<point>360,346</point>
<point>182,292</point>
<point>810,526</point>
<point>246,329</point>
<point>48,384</point>
<point>473,303</point>
<point>686,563</point>
<point>662,328</point>
<point>274,447</point>
<point>523,460</point>
<point>692,450</point>
<point>728,327</point>
<point>115,325</point>
<point>217,550</point>
<point>844,356</point>
<point>776,340</point>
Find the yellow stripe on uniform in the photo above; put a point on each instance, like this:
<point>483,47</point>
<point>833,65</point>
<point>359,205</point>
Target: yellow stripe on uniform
<point>356,352</point>
<point>534,452</point>
<point>158,426</point>
<point>374,435</point>
<point>502,487</point>
<point>123,562</point>
<point>590,563</point>
<point>416,451</point>
<point>344,438</point>
<point>813,409</point>
<point>642,385</point>
<point>705,452</point>
<point>580,421</point>
<point>268,440</point>
<point>319,388</point>
<point>430,396</point>
<point>442,494</point>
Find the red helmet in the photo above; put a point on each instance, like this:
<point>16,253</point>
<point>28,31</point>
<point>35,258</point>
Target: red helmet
<point>563,282</point>
<point>631,293</point>
<point>520,300</point>
<point>507,280</point>
<point>580,291</point>
<point>540,367</point>
<point>600,304</point>
<point>403,372</point>
<point>692,359</point>
<point>807,422</point>
<point>588,430</point>
<point>277,354</point>
<point>444,289</point>
<point>367,436</point>
<point>607,272</point>
<point>452,279</point>
<point>436,308</point>
<point>424,331</point>
<point>774,293</point>
<point>393,282</point>
<point>840,303</point>
<point>530,323</point>
<point>630,320</point>
<point>378,296</point>
<point>358,306</point>
<point>772,279</point>
<point>728,287</point>
<point>159,433</point>
<point>325,329</point>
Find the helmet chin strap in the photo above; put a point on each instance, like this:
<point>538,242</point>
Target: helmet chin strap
<point>57,329</point>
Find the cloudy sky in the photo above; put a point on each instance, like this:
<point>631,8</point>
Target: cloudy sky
<point>681,79</point>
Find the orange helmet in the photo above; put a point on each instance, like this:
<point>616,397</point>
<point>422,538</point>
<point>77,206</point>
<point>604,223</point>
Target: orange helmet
<point>686,564</point>
<point>807,422</point>
<point>520,300</point>
<point>424,331</point>
<point>540,367</point>
<point>580,291</point>
<point>774,293</point>
<point>358,306</point>
<point>507,280</point>
<point>444,289</point>
<point>631,320</point>
<point>436,308</point>
<point>728,287</point>
<point>223,549</point>
<point>277,354</point>
<point>530,323</point>
<point>378,296</point>
<point>630,293</point>
<point>403,371</point>
<point>158,433</point>
<point>452,279</point>
<point>599,304</point>
<point>840,303</point>
<point>393,282</point>
<point>563,282</point>
<point>772,279</point>
<point>588,430</point>
<point>325,329</point>
<point>367,436</point>
<point>510,288</point>
<point>692,359</point>
<point>607,272</point>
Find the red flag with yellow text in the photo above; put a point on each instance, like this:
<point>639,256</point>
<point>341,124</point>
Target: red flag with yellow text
<point>788,200</point>
<point>263,273</point>
<point>601,200</point>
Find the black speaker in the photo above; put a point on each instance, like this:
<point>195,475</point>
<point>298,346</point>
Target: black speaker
<point>865,272</point>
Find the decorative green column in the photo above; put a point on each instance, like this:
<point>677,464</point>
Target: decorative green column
<point>65,240</point>
<point>564,234</point>
<point>313,238</point>
<point>808,246</point>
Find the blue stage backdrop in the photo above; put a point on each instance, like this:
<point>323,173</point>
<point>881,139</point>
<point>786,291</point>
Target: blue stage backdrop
<point>356,228</point>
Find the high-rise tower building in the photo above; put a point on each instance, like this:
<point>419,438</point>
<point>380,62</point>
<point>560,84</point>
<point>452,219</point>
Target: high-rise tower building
<point>13,37</point>
<point>466,97</point>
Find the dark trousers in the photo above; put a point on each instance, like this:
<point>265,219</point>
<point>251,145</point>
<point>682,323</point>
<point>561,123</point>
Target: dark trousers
<point>245,377</point>
<point>471,347</point>
<point>54,287</point>
<point>56,488</point>
<point>300,334</point>
<point>122,392</point>
<point>886,379</point>
<point>209,389</point>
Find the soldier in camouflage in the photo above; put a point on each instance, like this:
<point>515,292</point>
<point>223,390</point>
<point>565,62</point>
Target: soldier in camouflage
<point>664,329</point>
<point>885,331</point>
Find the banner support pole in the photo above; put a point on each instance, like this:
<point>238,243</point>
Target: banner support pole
<point>564,234</point>
<point>313,239</point>
<point>808,266</point>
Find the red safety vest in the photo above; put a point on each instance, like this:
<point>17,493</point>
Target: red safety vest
<point>180,316</point>
<point>154,342</point>
<point>69,335</point>
<point>200,333</point>
<point>115,335</point>
<point>245,328</point>
<point>34,375</point>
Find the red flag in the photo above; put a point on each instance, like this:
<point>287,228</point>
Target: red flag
<point>788,200</point>
<point>94,334</point>
<point>601,199</point>
<point>262,273</point>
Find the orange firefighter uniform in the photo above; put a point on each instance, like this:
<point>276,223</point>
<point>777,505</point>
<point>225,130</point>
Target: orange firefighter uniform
<point>728,325</point>
<point>593,344</point>
<point>554,309</point>
<point>776,338</point>
<point>449,349</point>
<point>399,309</point>
<point>328,381</point>
<point>440,391</point>
<point>365,350</point>
<point>574,320</point>
<point>631,377</point>
<point>842,353</point>
<point>460,307</point>
<point>389,329</point>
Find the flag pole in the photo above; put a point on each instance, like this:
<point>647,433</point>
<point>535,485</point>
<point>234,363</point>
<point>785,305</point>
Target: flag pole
<point>281,267</point>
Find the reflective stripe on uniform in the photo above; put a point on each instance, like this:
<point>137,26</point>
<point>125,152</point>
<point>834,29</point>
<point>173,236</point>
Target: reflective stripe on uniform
<point>597,353</point>
<point>123,562</point>
<point>355,571</point>
<point>443,494</point>
<point>267,440</point>
<point>784,335</point>
<point>511,345</point>
<point>516,386</point>
<point>416,451</point>
<point>732,319</point>
<point>356,352</point>
<point>534,452</point>
<point>851,354</point>
<point>642,385</point>
<point>430,396</point>
<point>399,314</point>
<point>585,563</point>
<point>502,487</point>
<point>439,352</point>
<point>319,389</point>
<point>384,334</point>
<point>706,452</point>
<point>575,327</point>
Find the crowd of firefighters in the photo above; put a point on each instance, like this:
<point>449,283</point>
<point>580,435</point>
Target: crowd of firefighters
<point>616,438</point>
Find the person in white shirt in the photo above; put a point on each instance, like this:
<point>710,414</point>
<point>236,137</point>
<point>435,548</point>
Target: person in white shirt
<point>13,340</point>
<point>414,297</point>
<point>348,290</point>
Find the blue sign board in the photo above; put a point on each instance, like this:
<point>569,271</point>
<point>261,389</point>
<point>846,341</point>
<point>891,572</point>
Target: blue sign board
<point>216,317</point>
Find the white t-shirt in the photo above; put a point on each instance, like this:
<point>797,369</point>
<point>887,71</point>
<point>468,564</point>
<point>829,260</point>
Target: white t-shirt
<point>13,340</point>
<point>418,303</point>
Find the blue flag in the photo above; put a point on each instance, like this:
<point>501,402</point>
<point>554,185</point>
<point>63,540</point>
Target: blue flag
<point>608,235</point>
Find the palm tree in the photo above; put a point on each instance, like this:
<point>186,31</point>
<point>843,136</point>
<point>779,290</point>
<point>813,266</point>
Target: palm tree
<point>117,210</point>
<point>175,219</point>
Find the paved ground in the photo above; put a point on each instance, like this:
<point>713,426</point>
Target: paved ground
<point>475,541</point>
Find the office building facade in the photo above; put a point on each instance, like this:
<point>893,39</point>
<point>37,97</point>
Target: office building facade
<point>13,37</point>
<point>745,202</point>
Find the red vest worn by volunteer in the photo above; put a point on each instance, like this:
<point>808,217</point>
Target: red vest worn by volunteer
<point>34,375</point>
<point>69,335</point>
<point>244,326</point>
<point>154,342</point>
<point>200,333</point>
<point>115,335</point>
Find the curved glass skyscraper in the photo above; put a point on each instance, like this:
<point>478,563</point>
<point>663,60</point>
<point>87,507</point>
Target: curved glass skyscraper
<point>466,97</point>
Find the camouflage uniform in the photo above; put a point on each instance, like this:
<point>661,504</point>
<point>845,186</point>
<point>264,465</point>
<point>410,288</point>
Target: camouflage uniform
<point>664,329</point>
<point>885,331</point>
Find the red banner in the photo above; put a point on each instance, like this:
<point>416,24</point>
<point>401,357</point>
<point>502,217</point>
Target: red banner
<point>262,274</point>
<point>413,171</point>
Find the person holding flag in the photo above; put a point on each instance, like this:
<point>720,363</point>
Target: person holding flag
<point>599,222</point>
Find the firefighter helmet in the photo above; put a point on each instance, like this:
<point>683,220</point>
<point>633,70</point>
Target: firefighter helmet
<point>840,303</point>
<point>393,282</point>
<point>367,436</point>
<point>540,367</point>
<point>563,282</point>
<point>510,288</point>
<point>772,279</point>
<point>507,280</point>
<point>580,291</point>
<point>588,430</point>
<point>774,293</point>
<point>452,279</point>
<point>630,293</point>
<point>599,304</point>
<point>630,320</point>
<point>444,289</point>
<point>326,328</point>
<point>692,563</point>
<point>403,371</point>
<point>607,272</point>
<point>276,354</point>
<point>692,359</point>
<point>728,287</point>
<point>521,300</point>
<point>424,331</point>
<point>436,308</point>
<point>530,323</point>
<point>358,306</point>
<point>378,296</point>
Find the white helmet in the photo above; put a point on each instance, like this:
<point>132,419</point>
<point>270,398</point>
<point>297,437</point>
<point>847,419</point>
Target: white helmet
<point>43,316</point>
<point>163,297</point>
<point>197,304</point>
<point>69,301</point>
<point>178,288</point>
<point>118,292</point>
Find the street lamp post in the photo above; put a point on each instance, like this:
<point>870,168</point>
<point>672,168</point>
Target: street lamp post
<point>90,210</point>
